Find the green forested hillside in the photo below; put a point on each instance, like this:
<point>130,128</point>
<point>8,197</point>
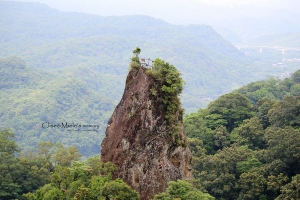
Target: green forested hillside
<point>30,97</point>
<point>246,144</point>
<point>48,39</point>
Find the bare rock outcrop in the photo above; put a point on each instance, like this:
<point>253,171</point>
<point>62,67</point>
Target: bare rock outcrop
<point>138,141</point>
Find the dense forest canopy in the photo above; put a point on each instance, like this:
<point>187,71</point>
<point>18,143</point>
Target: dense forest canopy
<point>242,149</point>
<point>31,97</point>
<point>246,144</point>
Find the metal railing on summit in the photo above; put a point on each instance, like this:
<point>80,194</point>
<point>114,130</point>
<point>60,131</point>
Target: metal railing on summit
<point>148,63</point>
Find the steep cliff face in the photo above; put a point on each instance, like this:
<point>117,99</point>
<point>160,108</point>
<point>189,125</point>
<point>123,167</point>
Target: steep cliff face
<point>138,139</point>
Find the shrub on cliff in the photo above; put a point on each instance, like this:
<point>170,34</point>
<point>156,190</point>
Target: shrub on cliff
<point>167,86</point>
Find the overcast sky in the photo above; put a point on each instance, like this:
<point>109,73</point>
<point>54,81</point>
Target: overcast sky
<point>172,11</point>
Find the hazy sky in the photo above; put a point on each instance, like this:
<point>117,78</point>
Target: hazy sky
<point>173,11</point>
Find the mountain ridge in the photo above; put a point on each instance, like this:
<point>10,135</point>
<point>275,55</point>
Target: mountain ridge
<point>74,50</point>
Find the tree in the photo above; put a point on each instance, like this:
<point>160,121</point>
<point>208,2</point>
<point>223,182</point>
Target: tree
<point>218,173</point>
<point>283,144</point>
<point>8,146</point>
<point>33,173</point>
<point>251,133</point>
<point>79,171</point>
<point>46,150</point>
<point>54,194</point>
<point>9,166</point>
<point>137,51</point>
<point>248,165</point>
<point>119,190</point>
<point>291,190</point>
<point>83,193</point>
<point>252,185</point>
<point>99,168</point>
<point>135,61</point>
<point>295,90</point>
<point>274,184</point>
<point>232,107</point>
<point>285,112</point>
<point>221,137</point>
<point>97,183</point>
<point>45,190</point>
<point>182,190</point>
<point>65,156</point>
<point>196,147</point>
<point>196,127</point>
<point>262,108</point>
<point>296,77</point>
<point>61,177</point>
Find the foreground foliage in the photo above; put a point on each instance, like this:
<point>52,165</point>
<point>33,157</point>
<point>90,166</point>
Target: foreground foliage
<point>19,174</point>
<point>55,172</point>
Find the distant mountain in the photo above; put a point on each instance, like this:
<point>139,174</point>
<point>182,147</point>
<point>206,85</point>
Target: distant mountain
<point>81,59</point>
<point>49,39</point>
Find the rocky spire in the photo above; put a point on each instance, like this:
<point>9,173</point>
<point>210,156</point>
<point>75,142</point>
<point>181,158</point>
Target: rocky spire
<point>148,146</point>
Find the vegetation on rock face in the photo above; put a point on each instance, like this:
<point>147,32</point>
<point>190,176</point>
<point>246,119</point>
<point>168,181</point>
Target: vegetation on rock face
<point>167,85</point>
<point>244,150</point>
